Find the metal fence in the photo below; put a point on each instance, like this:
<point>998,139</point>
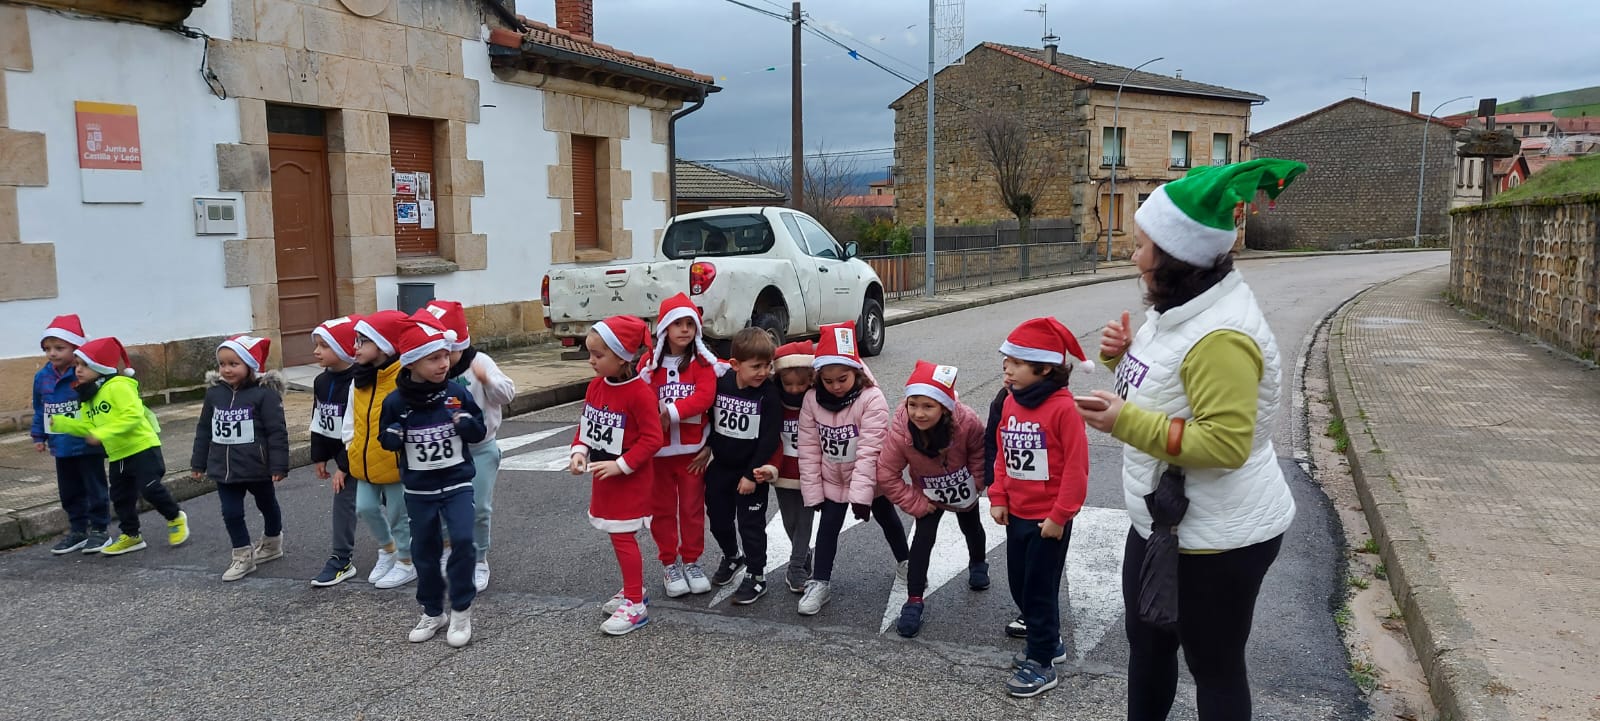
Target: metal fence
<point>904,275</point>
<point>1041,231</point>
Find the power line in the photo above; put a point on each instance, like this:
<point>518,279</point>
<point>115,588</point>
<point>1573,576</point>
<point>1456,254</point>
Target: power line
<point>836,154</point>
<point>784,17</point>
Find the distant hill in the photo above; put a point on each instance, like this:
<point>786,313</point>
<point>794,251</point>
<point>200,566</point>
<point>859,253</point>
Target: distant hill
<point>1565,104</point>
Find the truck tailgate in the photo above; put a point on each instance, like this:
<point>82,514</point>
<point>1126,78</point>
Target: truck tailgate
<point>581,296</point>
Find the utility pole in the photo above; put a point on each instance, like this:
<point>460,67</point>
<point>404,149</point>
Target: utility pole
<point>797,175</point>
<point>929,275</point>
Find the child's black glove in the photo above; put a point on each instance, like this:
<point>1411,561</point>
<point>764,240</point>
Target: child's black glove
<point>862,511</point>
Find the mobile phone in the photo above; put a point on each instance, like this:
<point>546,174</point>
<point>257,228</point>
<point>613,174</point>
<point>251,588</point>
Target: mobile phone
<point>1091,403</point>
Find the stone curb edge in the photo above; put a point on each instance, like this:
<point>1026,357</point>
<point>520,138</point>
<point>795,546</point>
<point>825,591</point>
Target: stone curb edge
<point>1458,677</point>
<point>1067,282</point>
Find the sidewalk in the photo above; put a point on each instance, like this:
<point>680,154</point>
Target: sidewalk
<point>1477,457</point>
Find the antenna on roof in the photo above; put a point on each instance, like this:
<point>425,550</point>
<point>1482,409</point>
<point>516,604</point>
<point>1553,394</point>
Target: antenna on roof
<point>1050,37</point>
<point>1363,80</point>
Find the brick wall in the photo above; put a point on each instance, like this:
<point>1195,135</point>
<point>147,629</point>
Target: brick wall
<point>1533,267</point>
<point>1362,179</point>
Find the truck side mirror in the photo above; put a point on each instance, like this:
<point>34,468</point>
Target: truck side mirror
<point>850,249</point>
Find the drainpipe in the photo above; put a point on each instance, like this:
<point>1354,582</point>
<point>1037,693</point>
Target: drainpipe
<point>672,154</point>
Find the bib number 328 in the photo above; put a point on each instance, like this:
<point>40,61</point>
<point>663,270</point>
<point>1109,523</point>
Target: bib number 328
<point>434,454</point>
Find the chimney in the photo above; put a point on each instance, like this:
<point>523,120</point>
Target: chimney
<point>1416,101</point>
<point>1050,54</point>
<point>576,17</point>
<point>1179,74</point>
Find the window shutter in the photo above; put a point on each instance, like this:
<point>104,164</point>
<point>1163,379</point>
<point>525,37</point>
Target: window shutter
<point>585,195</point>
<point>411,151</point>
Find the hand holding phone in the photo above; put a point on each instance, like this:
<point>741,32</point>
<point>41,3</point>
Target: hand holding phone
<point>1091,403</point>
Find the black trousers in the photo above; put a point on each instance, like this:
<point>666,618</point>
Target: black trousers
<point>81,482</point>
<point>736,518</point>
<point>832,523</point>
<point>1216,605</point>
<point>1033,568</point>
<point>928,533</point>
<point>140,475</point>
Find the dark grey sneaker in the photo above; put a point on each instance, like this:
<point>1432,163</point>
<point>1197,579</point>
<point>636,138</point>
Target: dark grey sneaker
<point>795,578</point>
<point>978,576</point>
<point>1030,679</point>
<point>335,571</point>
<point>754,587</point>
<point>71,542</point>
<point>1059,657</point>
<point>726,570</point>
<point>97,538</point>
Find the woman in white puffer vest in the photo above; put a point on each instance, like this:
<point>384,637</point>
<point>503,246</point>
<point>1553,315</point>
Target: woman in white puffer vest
<point>1198,388</point>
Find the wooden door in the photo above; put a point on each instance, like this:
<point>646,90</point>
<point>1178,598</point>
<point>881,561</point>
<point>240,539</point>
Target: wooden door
<point>303,240</point>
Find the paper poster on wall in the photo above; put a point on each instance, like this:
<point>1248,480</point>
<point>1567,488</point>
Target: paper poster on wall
<point>405,183</point>
<point>110,159</point>
<point>424,186</point>
<point>406,214</point>
<point>425,211</point>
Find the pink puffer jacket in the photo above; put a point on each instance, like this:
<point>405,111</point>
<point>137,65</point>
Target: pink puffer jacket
<point>839,451</point>
<point>954,477</point>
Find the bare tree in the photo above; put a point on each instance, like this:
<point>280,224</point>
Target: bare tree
<point>828,178</point>
<point>1022,168</point>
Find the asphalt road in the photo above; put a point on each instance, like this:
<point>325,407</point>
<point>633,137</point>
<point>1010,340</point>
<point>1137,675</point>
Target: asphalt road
<point>157,634</point>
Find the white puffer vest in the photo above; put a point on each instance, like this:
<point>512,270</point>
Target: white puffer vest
<point>1228,508</point>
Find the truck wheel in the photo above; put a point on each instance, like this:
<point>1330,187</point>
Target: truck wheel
<point>871,328</point>
<point>774,321</point>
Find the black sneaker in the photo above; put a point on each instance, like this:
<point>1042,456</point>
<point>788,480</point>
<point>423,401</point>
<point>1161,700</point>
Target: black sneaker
<point>334,572</point>
<point>910,623</point>
<point>978,576</point>
<point>795,578</point>
<point>71,542</point>
<point>1017,628</point>
<point>752,588</point>
<point>97,538</point>
<point>727,570</point>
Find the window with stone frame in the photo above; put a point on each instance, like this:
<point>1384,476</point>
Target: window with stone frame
<point>586,191</point>
<point>1179,156</point>
<point>1112,150</point>
<point>1221,148</point>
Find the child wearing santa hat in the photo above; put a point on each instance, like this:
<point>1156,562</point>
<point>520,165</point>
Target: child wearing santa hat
<point>843,420</point>
<point>795,378</point>
<point>428,422</point>
<point>492,390</point>
<point>617,439</point>
<point>380,499</point>
<point>940,440</point>
<point>1040,481</point>
<point>80,467</point>
<point>335,351</point>
<point>116,419</point>
<point>241,444</point>
<point>683,373</point>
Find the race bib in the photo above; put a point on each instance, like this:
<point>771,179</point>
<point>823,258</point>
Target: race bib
<point>1130,374</point>
<point>601,430</point>
<point>433,447</point>
<point>839,442</point>
<point>737,418</point>
<point>1026,455</point>
<point>956,489</point>
<point>233,426</point>
<point>791,438</point>
<point>64,408</point>
<point>671,392</point>
<point>327,420</point>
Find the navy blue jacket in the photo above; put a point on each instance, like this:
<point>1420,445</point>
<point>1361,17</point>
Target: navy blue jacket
<point>240,436</point>
<point>57,394</point>
<point>332,392</point>
<point>430,438</point>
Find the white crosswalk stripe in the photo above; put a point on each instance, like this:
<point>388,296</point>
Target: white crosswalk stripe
<point>948,560</point>
<point>778,549</point>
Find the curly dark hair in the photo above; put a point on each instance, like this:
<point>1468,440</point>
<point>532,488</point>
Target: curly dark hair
<point>1173,282</point>
<point>1053,372</point>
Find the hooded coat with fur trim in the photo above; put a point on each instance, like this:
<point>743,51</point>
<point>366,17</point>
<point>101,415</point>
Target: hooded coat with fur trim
<point>955,477</point>
<point>241,436</point>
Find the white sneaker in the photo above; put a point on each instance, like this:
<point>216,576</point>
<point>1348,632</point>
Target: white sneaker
<point>696,577</point>
<point>672,578</point>
<point>816,597</point>
<point>480,576</point>
<point>628,617</point>
<point>428,626</point>
<point>380,569</point>
<point>400,575</point>
<point>612,604</point>
<point>460,628</point>
<point>901,571</point>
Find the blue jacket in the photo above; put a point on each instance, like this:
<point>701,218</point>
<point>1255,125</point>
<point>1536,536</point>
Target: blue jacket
<point>56,393</point>
<point>430,442</point>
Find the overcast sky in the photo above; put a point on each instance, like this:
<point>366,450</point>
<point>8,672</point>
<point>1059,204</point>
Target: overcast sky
<point>1302,54</point>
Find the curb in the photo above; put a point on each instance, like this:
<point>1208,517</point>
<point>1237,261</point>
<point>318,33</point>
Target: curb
<point>1070,282</point>
<point>1457,677</point>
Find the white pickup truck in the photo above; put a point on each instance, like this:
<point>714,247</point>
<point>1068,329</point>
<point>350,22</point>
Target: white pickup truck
<point>770,268</point>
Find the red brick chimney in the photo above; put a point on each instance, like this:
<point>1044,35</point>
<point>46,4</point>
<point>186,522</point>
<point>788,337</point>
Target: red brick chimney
<point>576,17</point>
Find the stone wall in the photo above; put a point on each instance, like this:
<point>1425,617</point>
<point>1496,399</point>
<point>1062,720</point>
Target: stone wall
<point>1532,267</point>
<point>1362,179</point>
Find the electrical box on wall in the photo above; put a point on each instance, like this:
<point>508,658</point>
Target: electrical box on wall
<point>216,216</point>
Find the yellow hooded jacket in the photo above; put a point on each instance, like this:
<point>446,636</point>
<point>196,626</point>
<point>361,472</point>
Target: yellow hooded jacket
<point>369,461</point>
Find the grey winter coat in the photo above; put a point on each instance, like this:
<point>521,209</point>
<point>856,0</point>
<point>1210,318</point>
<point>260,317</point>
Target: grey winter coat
<point>242,436</point>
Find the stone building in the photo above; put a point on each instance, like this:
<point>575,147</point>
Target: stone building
<point>323,153</point>
<point>1361,185</point>
<point>1165,125</point>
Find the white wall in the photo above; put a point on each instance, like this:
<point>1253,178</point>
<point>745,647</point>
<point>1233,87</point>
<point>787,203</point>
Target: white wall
<point>136,271</point>
<point>641,214</point>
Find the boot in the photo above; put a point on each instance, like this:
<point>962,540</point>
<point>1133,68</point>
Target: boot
<point>269,549</point>
<point>244,564</point>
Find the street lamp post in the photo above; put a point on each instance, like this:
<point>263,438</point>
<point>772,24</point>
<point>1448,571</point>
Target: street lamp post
<point>1116,136</point>
<point>1422,167</point>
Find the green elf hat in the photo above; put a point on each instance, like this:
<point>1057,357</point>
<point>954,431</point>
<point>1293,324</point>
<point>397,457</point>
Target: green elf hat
<point>1194,217</point>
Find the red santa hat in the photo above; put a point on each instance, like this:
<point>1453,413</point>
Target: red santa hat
<point>106,356</point>
<point>65,327</point>
<point>798,354</point>
<point>934,381</point>
<point>340,335</point>
<point>250,349</point>
<point>837,346</point>
<point>625,335</point>
<point>677,308</point>
<point>383,328</point>
<point>453,316</point>
<point>1044,340</point>
<point>422,335</point>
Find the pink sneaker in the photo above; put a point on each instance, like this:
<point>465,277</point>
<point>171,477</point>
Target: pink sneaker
<point>628,616</point>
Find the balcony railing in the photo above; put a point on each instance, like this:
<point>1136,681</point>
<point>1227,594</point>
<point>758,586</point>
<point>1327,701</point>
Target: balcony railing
<point>1219,161</point>
<point>1107,161</point>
